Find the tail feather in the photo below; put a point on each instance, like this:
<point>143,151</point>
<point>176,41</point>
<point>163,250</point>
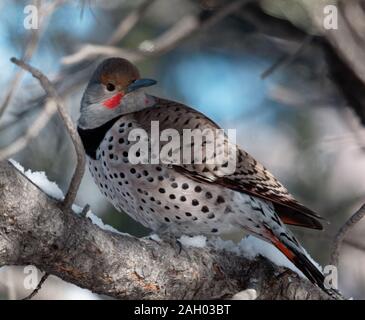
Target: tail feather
<point>304,264</point>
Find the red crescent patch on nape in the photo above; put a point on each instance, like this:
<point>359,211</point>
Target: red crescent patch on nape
<point>114,101</point>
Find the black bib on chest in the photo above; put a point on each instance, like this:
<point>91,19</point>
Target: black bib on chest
<point>91,138</point>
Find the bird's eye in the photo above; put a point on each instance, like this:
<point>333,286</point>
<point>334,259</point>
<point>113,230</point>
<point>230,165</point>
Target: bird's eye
<point>110,87</point>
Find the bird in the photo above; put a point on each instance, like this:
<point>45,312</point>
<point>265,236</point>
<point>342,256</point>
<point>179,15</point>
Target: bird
<point>180,197</point>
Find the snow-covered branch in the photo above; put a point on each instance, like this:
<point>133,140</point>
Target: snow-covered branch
<point>36,230</point>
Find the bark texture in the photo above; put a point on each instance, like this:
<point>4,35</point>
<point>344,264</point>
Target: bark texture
<point>34,229</point>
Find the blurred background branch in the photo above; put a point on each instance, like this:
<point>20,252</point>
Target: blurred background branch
<point>45,14</point>
<point>343,232</point>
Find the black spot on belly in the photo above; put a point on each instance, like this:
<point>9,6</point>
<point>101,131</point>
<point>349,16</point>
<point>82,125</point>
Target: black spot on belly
<point>220,200</point>
<point>198,189</point>
<point>208,195</point>
<point>228,209</point>
<point>205,209</point>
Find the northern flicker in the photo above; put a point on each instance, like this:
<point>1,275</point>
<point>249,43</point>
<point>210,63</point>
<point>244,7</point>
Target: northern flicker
<point>182,198</point>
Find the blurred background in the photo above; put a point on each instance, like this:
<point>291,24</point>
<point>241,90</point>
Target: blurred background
<point>294,90</point>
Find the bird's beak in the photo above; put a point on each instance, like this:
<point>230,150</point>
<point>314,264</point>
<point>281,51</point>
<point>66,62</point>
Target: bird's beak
<point>140,83</point>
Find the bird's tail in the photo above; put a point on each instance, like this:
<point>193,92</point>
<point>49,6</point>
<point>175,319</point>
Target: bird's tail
<point>296,254</point>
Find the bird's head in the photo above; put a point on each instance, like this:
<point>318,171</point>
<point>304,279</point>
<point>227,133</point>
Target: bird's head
<point>114,89</point>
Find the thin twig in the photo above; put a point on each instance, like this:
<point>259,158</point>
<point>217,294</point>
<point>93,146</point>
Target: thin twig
<point>129,22</point>
<point>92,50</point>
<point>51,92</point>
<point>342,233</point>
<point>11,89</point>
<point>170,39</point>
<point>32,132</point>
<point>39,286</point>
<point>287,59</point>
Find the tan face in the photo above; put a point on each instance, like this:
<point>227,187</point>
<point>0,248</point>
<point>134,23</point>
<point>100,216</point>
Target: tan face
<point>112,90</point>
<point>115,75</point>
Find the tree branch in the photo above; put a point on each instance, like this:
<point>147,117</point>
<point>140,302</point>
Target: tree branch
<point>52,93</point>
<point>36,230</point>
<point>342,233</point>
